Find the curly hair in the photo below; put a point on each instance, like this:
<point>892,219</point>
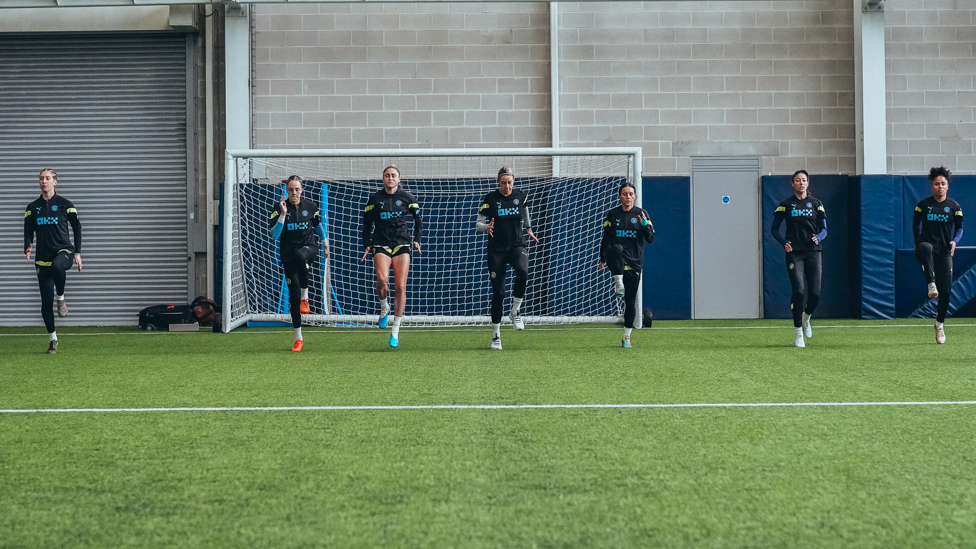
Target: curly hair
<point>941,170</point>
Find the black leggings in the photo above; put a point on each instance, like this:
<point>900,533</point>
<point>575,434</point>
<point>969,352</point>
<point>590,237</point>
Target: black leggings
<point>51,280</point>
<point>632,277</point>
<point>498,263</point>
<point>937,268</point>
<point>804,269</point>
<point>296,275</point>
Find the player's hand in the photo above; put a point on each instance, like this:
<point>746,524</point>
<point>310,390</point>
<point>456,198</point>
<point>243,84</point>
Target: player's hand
<point>325,250</point>
<point>281,207</point>
<point>644,220</point>
<point>491,227</point>
<point>365,255</point>
<point>417,246</point>
<point>78,261</point>
<point>788,247</point>
<point>602,265</point>
<point>952,248</point>
<point>815,239</point>
<point>29,248</point>
<point>532,235</point>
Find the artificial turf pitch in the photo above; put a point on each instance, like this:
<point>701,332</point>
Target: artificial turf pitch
<point>875,475</point>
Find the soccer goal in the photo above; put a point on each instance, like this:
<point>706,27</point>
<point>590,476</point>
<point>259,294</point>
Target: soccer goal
<point>568,192</point>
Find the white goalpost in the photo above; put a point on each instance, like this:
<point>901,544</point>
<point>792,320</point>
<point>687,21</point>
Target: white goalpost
<point>568,191</point>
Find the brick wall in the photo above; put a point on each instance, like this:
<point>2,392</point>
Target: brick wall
<point>930,86</point>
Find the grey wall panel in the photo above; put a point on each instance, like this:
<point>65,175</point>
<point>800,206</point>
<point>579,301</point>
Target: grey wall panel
<point>108,112</point>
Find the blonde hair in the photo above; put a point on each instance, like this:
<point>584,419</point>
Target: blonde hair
<point>505,171</point>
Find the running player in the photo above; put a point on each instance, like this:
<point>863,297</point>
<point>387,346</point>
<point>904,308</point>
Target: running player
<point>386,211</point>
<point>295,221</point>
<point>503,214</point>
<point>49,217</point>
<point>937,228</point>
<point>625,229</point>
<point>806,228</point>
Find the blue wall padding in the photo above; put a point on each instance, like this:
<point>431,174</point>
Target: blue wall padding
<point>832,190</point>
<point>667,262</point>
<point>875,223</point>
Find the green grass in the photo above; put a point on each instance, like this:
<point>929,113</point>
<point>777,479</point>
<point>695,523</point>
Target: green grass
<point>816,476</point>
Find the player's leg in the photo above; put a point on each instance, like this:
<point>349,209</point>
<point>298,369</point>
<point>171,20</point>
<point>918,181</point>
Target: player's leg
<point>795,269</point>
<point>293,279</point>
<point>943,282</point>
<point>519,260</point>
<point>382,260</point>
<point>615,262</point>
<point>631,285</point>
<point>59,268</point>
<point>306,256</point>
<point>813,267</point>
<point>497,268</point>
<point>401,270</point>
<point>45,281</point>
<point>925,254</point>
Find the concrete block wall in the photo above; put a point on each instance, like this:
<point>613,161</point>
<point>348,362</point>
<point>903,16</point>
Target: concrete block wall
<point>401,75</point>
<point>654,74</point>
<point>931,90</point>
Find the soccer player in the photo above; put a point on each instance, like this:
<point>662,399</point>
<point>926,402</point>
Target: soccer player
<point>937,228</point>
<point>295,221</point>
<point>806,228</point>
<point>49,217</point>
<point>385,234</point>
<point>503,214</point>
<point>625,229</point>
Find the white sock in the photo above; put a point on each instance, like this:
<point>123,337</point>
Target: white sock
<point>938,325</point>
<point>618,281</point>
<point>298,334</point>
<point>61,297</point>
<point>516,303</point>
<point>53,335</point>
<point>627,332</point>
<point>799,331</point>
<point>806,317</point>
<point>396,326</point>
<point>384,307</point>
<point>496,331</point>
<point>305,294</point>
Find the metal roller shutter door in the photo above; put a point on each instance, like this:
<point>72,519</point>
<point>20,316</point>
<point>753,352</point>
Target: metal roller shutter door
<point>108,112</point>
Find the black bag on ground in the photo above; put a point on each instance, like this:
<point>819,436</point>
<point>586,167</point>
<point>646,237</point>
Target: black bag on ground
<point>160,317</point>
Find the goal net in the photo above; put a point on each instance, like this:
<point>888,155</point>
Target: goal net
<point>568,193</point>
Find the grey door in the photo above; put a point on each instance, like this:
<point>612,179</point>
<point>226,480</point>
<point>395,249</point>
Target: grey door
<point>726,267</point>
<point>109,113</point>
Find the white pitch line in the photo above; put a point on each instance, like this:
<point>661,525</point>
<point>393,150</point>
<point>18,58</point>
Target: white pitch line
<point>487,407</point>
<point>371,331</point>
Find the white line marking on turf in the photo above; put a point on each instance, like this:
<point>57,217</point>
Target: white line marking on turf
<point>365,330</point>
<point>487,407</point>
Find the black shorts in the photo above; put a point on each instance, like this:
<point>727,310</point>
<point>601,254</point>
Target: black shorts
<point>392,251</point>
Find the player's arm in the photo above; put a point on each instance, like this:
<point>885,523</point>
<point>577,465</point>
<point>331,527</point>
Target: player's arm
<point>369,213</point>
<point>647,227</point>
<point>821,224</point>
<point>276,223</point>
<point>320,230</point>
<point>527,221</point>
<point>482,224</point>
<point>418,224</point>
<point>917,218</point>
<point>28,232</point>
<point>75,223</point>
<point>778,216</point>
<point>958,234</point>
<point>606,241</point>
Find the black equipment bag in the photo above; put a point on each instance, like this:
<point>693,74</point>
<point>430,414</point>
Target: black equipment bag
<point>160,317</point>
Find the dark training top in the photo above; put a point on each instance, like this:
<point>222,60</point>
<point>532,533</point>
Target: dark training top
<point>804,218</point>
<point>937,223</point>
<point>511,216</point>
<point>49,220</point>
<point>301,224</point>
<point>624,228</point>
<point>388,213</point>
